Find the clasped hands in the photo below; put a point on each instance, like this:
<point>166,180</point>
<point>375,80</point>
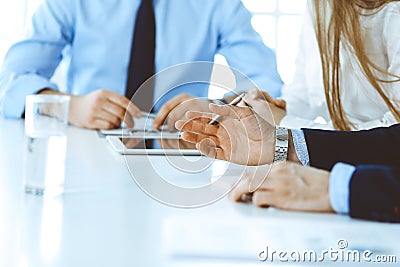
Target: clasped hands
<point>246,135</point>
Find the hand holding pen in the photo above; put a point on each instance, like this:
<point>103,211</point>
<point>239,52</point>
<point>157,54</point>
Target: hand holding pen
<point>249,196</point>
<point>234,102</point>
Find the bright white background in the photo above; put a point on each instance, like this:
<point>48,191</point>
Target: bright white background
<point>278,22</point>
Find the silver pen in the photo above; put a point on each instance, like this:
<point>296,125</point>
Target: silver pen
<point>234,102</point>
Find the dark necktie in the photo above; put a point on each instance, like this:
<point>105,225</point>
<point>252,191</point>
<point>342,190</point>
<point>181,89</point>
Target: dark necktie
<point>141,65</point>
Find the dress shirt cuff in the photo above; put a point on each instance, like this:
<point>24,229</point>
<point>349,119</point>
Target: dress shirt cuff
<point>12,103</point>
<point>339,187</point>
<point>300,145</point>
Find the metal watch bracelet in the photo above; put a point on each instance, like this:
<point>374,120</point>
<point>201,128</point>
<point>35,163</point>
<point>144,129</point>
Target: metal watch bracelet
<point>281,144</point>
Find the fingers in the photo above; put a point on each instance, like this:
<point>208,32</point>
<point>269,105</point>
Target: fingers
<point>123,103</point>
<point>230,111</point>
<point>134,111</point>
<point>114,109</point>
<point>101,124</point>
<point>242,188</point>
<point>197,127</point>
<point>286,187</point>
<point>113,113</point>
<point>205,117</point>
<point>167,108</point>
<point>129,120</point>
<point>101,109</point>
<point>173,117</point>
<point>280,103</point>
<point>164,111</point>
<point>103,115</point>
<point>264,198</point>
<point>197,138</point>
<point>120,107</point>
<point>209,148</point>
<point>259,94</point>
<point>256,103</point>
<point>171,122</point>
<point>265,96</point>
<point>180,125</point>
<point>260,198</point>
<point>262,183</point>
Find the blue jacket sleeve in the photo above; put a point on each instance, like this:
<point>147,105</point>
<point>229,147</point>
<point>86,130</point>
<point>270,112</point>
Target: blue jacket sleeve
<point>375,193</point>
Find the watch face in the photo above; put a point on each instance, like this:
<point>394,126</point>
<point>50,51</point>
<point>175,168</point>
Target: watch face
<point>282,133</point>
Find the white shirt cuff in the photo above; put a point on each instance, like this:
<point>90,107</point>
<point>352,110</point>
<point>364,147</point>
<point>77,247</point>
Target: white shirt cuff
<point>339,187</point>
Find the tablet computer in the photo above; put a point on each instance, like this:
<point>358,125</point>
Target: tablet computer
<point>128,145</point>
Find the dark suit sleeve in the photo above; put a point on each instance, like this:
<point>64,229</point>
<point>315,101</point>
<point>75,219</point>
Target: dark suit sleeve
<point>375,193</point>
<point>380,146</point>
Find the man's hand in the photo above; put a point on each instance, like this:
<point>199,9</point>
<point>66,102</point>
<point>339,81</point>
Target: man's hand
<point>176,108</point>
<point>100,109</point>
<point>242,136</point>
<point>264,105</point>
<point>287,186</point>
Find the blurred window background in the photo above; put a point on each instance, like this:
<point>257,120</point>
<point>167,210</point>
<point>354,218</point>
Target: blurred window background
<point>279,23</point>
<point>14,16</point>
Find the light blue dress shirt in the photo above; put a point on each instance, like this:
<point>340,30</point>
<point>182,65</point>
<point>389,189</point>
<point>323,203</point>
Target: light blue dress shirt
<point>339,187</point>
<point>99,37</point>
<point>340,177</point>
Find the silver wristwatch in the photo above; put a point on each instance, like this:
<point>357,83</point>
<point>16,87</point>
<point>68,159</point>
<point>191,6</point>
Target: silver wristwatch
<point>281,143</point>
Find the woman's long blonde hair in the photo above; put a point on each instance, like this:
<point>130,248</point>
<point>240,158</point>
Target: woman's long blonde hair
<point>344,26</point>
